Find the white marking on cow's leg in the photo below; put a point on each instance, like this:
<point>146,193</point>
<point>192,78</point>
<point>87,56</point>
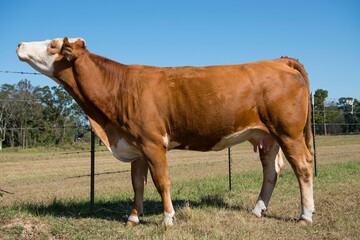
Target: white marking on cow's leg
<point>259,207</point>
<point>168,218</point>
<point>307,207</point>
<point>307,200</point>
<point>133,219</point>
<point>269,163</point>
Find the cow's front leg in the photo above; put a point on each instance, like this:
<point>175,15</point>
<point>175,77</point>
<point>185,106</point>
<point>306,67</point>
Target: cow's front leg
<point>139,169</point>
<point>156,157</point>
<point>272,162</point>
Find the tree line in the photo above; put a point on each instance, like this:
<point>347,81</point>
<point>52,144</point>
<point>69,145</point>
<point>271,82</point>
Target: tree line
<point>336,117</point>
<point>39,116</point>
<point>47,116</point>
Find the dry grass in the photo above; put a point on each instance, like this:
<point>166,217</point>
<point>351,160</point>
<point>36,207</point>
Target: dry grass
<point>50,199</point>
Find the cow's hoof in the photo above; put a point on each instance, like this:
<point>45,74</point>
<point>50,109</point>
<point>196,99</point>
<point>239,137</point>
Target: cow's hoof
<point>303,222</point>
<point>133,220</point>
<point>167,223</point>
<point>131,224</point>
<point>257,212</point>
<point>260,208</point>
<point>168,219</point>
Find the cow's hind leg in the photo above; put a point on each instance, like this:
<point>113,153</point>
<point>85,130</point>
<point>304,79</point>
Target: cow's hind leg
<point>272,162</point>
<point>139,169</point>
<point>301,161</point>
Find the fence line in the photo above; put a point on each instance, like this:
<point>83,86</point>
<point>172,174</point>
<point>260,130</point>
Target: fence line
<point>16,133</point>
<point>43,128</point>
<point>21,72</point>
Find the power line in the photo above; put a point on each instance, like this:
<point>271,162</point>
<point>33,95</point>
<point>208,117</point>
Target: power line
<point>15,72</point>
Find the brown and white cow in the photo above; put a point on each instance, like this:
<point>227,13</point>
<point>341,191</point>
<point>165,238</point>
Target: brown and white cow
<point>140,112</point>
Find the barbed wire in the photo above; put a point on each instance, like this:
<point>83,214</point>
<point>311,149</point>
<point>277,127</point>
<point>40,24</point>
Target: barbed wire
<point>336,124</point>
<point>22,100</point>
<point>20,72</point>
<point>315,110</point>
<point>88,129</point>
<point>333,111</point>
<point>44,128</point>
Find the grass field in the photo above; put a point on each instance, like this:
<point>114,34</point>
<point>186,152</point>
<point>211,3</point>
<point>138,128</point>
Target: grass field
<point>48,196</point>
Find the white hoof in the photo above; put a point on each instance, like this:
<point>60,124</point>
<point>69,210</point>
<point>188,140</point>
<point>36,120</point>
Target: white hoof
<point>307,213</point>
<point>259,208</point>
<point>168,219</point>
<point>257,212</point>
<point>132,220</point>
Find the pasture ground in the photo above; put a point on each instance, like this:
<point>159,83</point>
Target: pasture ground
<point>49,196</point>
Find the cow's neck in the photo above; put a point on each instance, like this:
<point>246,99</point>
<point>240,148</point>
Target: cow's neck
<point>66,78</point>
<point>86,85</point>
<point>107,86</point>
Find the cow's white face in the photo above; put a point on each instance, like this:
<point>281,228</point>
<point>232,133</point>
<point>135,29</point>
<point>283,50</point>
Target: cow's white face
<point>42,55</point>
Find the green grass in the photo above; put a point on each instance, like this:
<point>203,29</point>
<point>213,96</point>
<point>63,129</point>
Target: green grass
<point>213,212</point>
<point>205,209</point>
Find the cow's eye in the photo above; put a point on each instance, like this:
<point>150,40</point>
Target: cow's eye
<point>53,48</point>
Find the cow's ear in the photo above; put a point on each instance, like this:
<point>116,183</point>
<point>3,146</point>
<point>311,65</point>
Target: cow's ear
<point>66,40</point>
<point>72,50</point>
<point>80,43</point>
<point>67,49</point>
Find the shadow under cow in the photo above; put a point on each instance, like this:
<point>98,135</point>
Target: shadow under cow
<point>119,210</point>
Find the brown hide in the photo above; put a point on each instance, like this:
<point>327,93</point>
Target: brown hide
<point>195,106</point>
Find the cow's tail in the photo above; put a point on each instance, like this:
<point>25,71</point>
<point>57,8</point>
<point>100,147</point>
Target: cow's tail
<point>295,64</point>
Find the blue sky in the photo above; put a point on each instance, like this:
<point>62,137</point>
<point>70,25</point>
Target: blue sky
<point>323,35</point>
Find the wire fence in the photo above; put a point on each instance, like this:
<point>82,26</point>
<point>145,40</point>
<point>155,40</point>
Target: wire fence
<point>21,72</point>
<point>74,135</point>
<point>330,118</point>
<point>59,176</point>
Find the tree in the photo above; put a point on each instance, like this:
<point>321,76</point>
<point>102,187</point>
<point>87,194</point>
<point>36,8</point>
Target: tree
<point>62,114</point>
<point>5,111</point>
<point>28,111</point>
<point>32,116</point>
<point>319,110</point>
<point>350,108</point>
<point>333,118</point>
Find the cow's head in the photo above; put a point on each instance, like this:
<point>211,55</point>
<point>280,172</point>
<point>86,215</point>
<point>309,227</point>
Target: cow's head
<point>45,55</point>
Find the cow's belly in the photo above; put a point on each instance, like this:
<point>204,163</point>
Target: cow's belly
<point>124,152</point>
<point>258,137</point>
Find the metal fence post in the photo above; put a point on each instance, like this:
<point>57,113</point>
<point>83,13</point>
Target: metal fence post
<point>230,170</point>
<point>92,174</point>
<point>313,131</point>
